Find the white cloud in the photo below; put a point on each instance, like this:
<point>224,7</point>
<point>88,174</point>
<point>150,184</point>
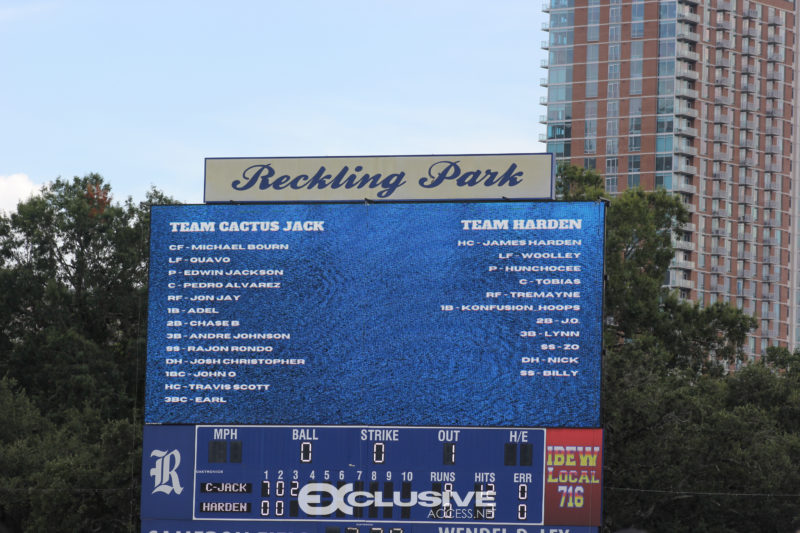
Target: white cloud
<point>15,188</point>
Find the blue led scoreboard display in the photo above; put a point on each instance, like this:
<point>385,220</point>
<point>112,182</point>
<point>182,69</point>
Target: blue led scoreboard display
<point>368,368</point>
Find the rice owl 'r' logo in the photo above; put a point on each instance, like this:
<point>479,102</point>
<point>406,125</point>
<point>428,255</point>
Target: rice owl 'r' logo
<point>165,475</point>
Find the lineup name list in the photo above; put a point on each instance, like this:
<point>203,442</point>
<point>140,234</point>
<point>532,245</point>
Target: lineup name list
<point>554,359</point>
<point>213,392</point>
<point>229,337</point>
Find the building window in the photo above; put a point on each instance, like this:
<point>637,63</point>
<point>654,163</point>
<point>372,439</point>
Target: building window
<point>637,20</point>
<point>559,148</point>
<point>590,163</point>
<point>663,162</point>
<point>664,181</point>
<point>664,143</point>
<point>665,104</point>
<point>634,143</point>
<point>666,67</point>
<point>663,124</point>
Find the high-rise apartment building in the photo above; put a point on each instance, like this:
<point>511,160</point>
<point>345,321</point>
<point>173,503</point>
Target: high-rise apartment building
<point>696,97</point>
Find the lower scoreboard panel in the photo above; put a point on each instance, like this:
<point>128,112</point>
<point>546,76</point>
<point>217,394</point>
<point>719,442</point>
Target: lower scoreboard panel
<point>370,479</point>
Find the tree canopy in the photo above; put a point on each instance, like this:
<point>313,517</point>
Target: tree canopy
<point>73,307</point>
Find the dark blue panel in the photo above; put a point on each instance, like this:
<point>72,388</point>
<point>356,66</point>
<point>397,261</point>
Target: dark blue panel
<point>297,478</point>
<point>362,314</point>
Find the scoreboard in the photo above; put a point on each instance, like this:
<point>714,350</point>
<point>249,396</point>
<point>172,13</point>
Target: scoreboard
<point>374,368</point>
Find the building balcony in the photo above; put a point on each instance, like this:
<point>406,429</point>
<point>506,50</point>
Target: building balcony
<point>718,193</point>
<point>717,269</point>
<point>768,315</point>
<point>747,273</point>
<point>723,99</point>
<point>747,256</point>
<point>685,111</point>
<point>775,58</point>
<point>771,333</point>
<point>773,148</point>
<point>546,7</point>
<point>719,213</point>
<point>681,283</point>
<point>685,149</point>
<point>685,265</point>
<point>753,33</point>
<point>772,204</point>
<point>745,236</point>
<point>774,130</point>
<point>682,245</point>
<point>773,111</point>
<point>716,287</point>
<point>748,199</point>
<point>749,181</point>
<point>774,20</point>
<point>688,2</point>
<point>542,119</point>
<point>774,93</point>
<point>543,82</point>
<point>771,241</point>
<point>748,143</point>
<point>545,26</point>
<point>687,74</point>
<point>772,278</point>
<point>776,39</point>
<point>750,106</point>
<point>686,16</point>
<point>750,13</point>
<point>720,232</point>
<point>684,187</point>
<point>722,5</point>
<point>773,167</point>
<point>719,250</point>
<point>686,131</point>
<point>748,50</point>
<point>683,168</point>
<point>772,259</point>
<point>774,185</point>
<point>747,293</point>
<point>747,219</point>
<point>722,156</point>
<point>772,223</point>
<point>749,87</point>
<point>685,92</point>
<point>690,36</point>
<point>726,25</point>
<point>545,45</point>
<point>775,74</point>
<point>724,81</point>
<point>724,176</point>
<point>684,53</point>
<point>749,125</point>
<point>544,64</point>
<point>725,62</point>
<point>750,69</point>
<point>724,43</point>
<point>748,161</point>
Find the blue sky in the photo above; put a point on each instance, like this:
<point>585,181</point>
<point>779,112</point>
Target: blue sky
<point>141,92</point>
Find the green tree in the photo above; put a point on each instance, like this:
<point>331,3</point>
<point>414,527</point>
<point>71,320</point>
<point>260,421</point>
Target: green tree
<point>73,300</point>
